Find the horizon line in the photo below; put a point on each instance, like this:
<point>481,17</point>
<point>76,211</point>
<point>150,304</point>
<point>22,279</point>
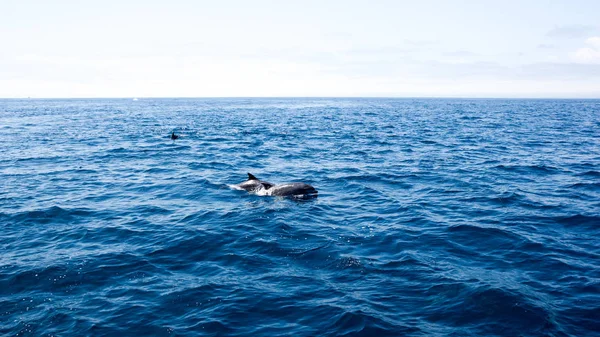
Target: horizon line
<point>311,97</point>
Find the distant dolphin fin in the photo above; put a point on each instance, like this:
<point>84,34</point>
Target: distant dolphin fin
<point>251,177</point>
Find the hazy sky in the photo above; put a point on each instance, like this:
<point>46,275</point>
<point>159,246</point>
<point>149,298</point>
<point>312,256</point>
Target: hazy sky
<point>178,48</point>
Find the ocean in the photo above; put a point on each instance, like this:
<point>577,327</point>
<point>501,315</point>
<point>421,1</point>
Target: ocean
<point>435,217</point>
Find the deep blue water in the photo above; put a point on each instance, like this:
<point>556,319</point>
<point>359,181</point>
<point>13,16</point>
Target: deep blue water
<point>435,217</point>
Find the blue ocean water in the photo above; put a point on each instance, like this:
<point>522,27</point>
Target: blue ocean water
<point>435,217</point>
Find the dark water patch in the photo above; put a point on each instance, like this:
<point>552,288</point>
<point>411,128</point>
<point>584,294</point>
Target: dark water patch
<point>485,310</point>
<point>528,169</point>
<point>591,174</point>
<point>581,320</point>
<point>485,236</point>
<point>580,220</point>
<point>587,186</point>
<point>503,199</point>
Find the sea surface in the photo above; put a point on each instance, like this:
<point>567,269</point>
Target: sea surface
<point>435,217</point>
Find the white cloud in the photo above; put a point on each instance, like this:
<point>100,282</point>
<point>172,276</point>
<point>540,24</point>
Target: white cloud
<point>589,54</point>
<point>594,42</point>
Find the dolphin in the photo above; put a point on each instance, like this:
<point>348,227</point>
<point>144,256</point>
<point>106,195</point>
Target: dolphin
<point>296,190</point>
<point>174,136</point>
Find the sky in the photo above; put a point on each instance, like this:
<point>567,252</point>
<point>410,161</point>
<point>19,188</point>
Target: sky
<point>259,48</point>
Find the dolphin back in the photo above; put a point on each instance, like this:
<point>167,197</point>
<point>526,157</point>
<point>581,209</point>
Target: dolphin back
<point>293,189</point>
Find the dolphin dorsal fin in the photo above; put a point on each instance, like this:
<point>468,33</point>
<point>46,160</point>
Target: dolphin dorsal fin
<point>251,177</point>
